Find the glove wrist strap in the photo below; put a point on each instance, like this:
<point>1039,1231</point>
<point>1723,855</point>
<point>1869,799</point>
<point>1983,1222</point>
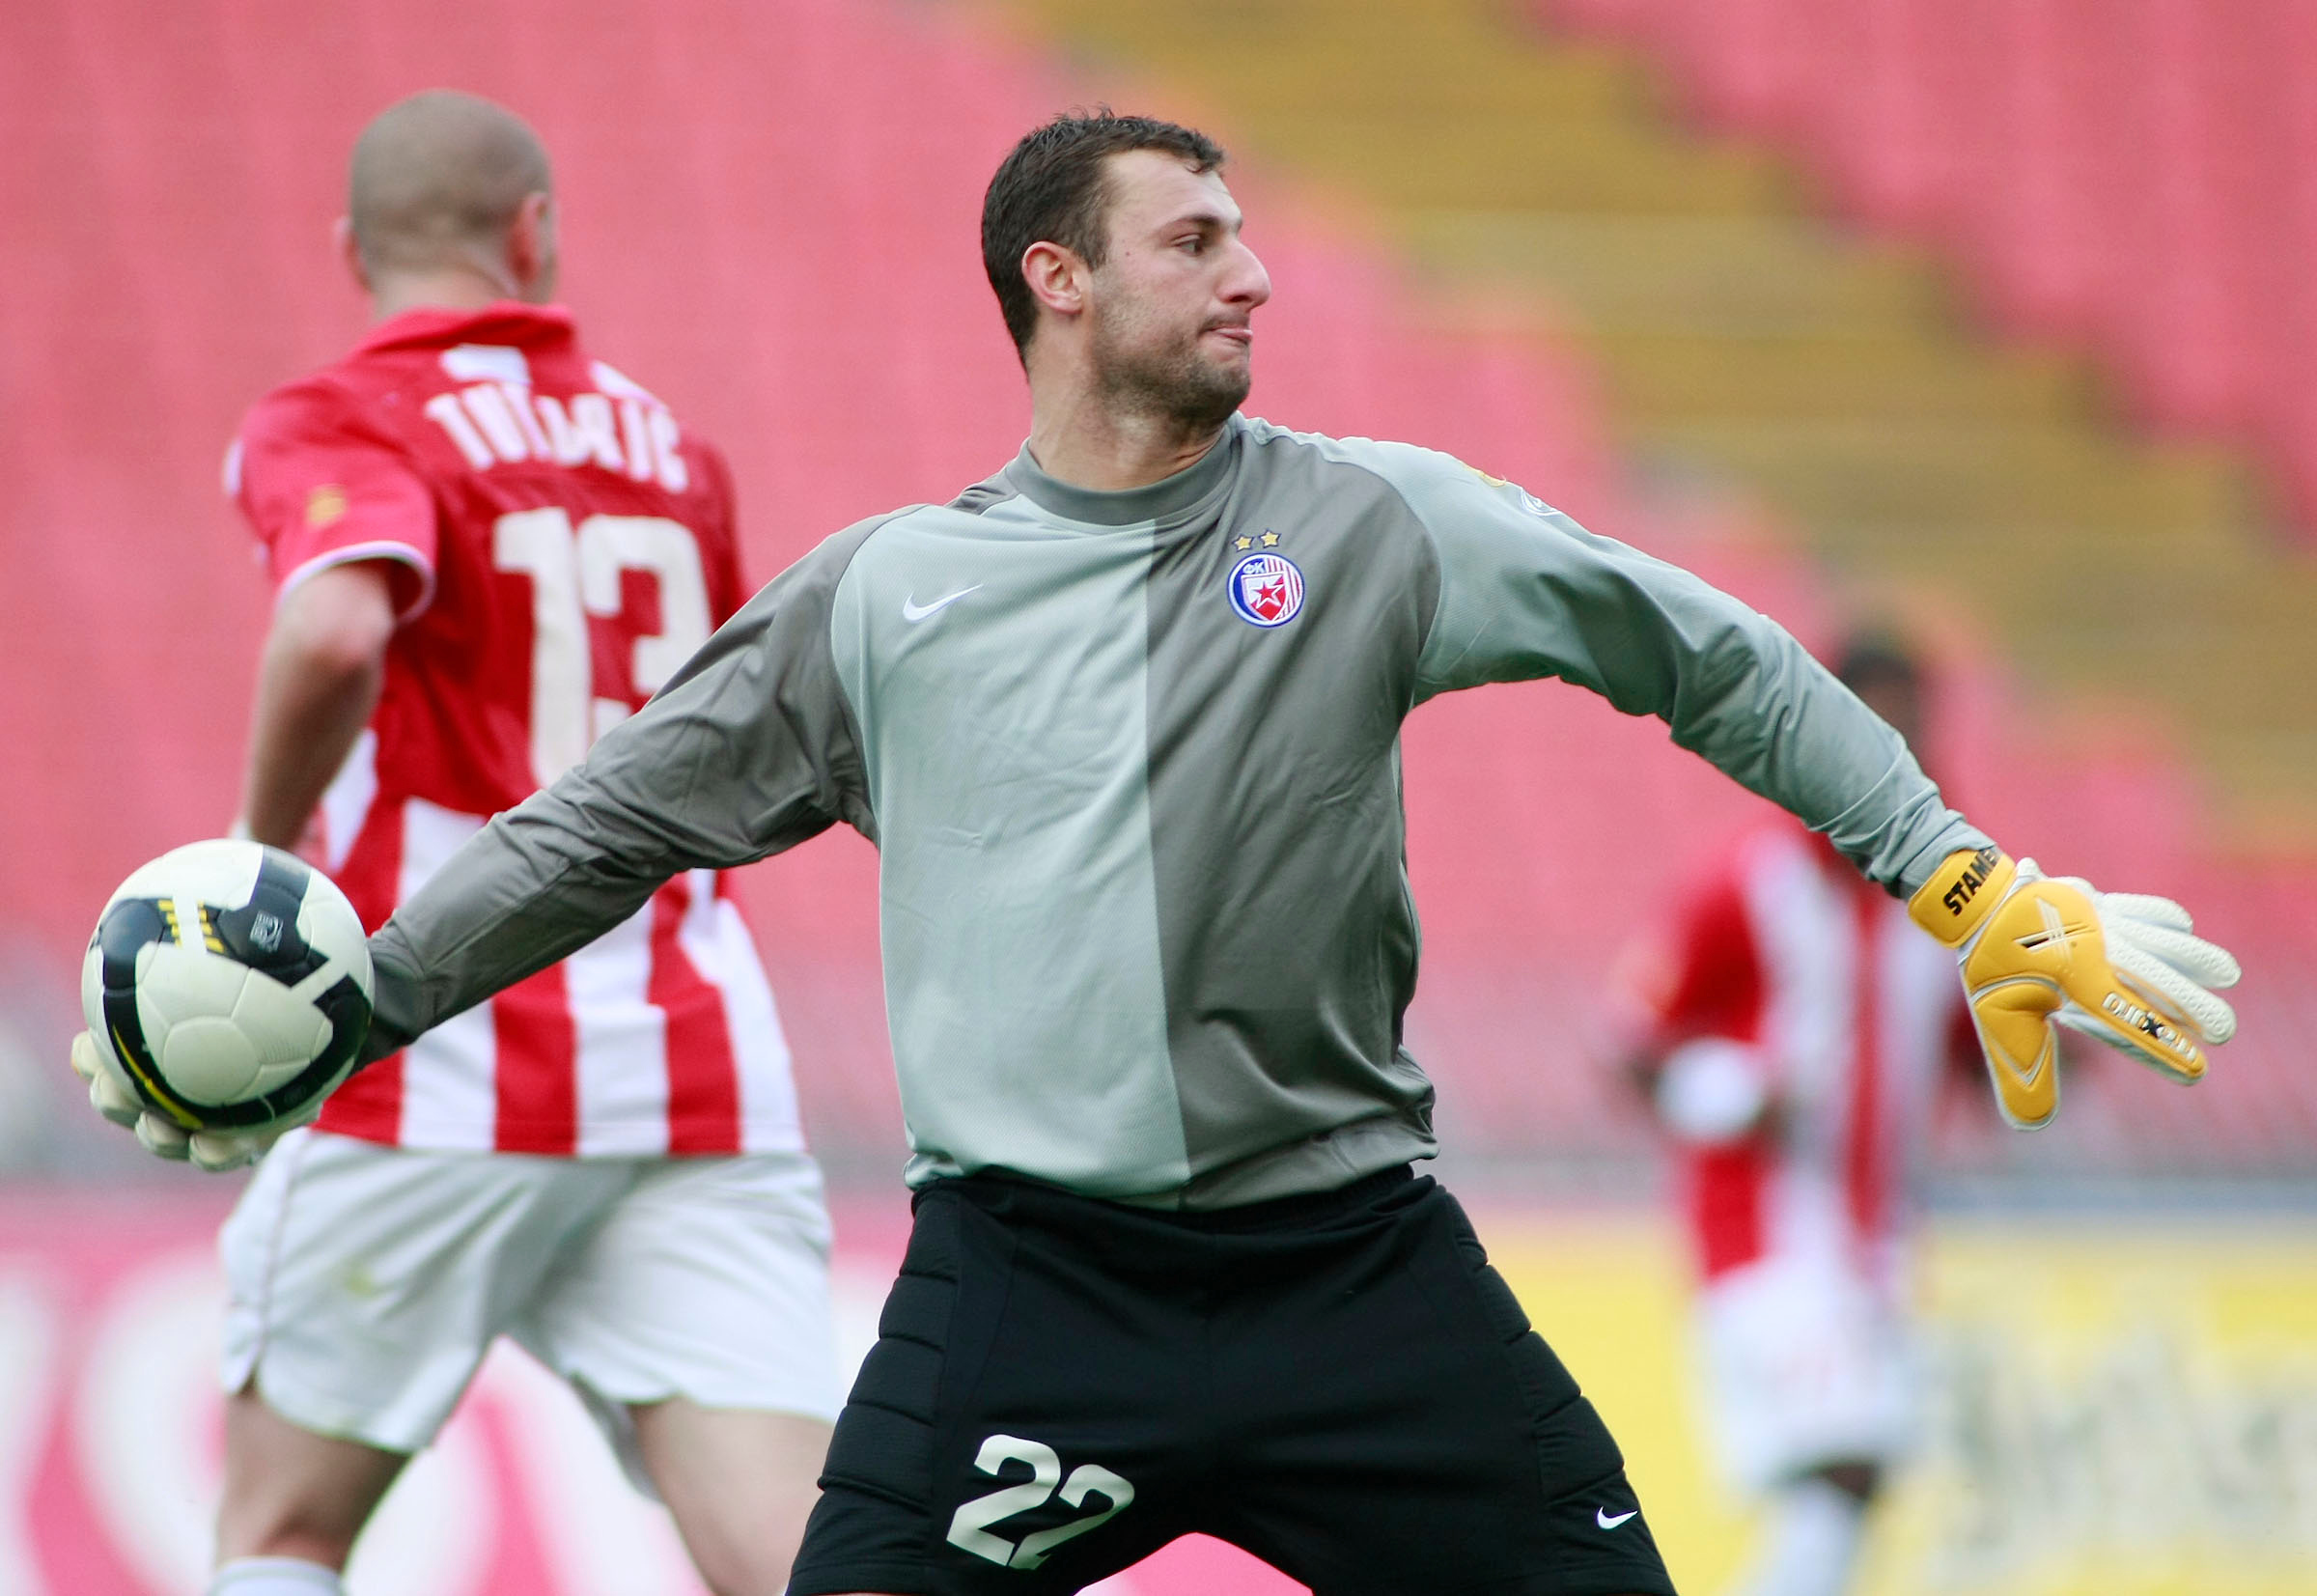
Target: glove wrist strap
<point>1960,892</point>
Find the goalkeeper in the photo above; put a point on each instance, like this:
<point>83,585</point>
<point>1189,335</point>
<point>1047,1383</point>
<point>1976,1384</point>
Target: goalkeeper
<point>1123,720</point>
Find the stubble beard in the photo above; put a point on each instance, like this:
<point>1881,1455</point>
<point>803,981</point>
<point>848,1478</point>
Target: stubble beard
<point>1175,384</point>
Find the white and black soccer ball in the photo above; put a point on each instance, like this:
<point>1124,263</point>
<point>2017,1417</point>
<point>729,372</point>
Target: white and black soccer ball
<point>228,985</point>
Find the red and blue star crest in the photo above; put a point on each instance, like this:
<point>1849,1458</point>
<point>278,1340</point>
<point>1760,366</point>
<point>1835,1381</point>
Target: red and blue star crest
<point>1267,590</point>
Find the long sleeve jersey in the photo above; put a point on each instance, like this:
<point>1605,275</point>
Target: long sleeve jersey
<point>1131,763</point>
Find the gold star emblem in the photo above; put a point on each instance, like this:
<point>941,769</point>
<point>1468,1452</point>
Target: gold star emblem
<point>1242,543</point>
<point>1270,537</point>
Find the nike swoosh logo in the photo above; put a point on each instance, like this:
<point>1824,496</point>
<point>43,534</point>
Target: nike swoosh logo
<point>1601,1517</point>
<point>912,610</point>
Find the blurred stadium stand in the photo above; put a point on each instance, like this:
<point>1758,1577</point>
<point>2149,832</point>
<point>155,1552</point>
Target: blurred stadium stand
<point>770,218</point>
<point>2141,178</point>
<point>2134,181</point>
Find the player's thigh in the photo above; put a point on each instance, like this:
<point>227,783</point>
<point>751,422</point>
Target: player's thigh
<point>1022,1426</point>
<point>365,1283</point>
<point>739,1483</point>
<point>1405,1429</point>
<point>707,1280</point>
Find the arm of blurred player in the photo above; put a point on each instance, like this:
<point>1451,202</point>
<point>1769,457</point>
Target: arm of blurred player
<point>347,526</point>
<point>318,681</point>
<point>1701,993</point>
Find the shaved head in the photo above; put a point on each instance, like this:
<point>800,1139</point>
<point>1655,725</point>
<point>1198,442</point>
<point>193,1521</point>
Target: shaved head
<point>437,180</point>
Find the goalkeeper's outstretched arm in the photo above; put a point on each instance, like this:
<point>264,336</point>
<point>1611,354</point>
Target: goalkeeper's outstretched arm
<point>1526,592</point>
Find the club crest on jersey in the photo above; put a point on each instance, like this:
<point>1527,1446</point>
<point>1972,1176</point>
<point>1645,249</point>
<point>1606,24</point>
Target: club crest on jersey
<point>1267,590</point>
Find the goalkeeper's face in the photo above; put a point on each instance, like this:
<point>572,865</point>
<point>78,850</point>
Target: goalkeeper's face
<point>1170,308</point>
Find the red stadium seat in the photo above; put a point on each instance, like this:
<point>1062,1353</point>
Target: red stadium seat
<point>2137,179</point>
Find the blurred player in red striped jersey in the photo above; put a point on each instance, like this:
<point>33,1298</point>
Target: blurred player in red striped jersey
<point>487,548</point>
<point>1801,1027</point>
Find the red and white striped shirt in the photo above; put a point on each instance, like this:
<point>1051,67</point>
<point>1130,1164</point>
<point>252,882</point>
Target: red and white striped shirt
<point>559,545</point>
<point>1797,981</point>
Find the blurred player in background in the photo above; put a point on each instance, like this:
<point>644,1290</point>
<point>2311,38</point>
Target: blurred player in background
<point>488,549</point>
<point>1799,1027</point>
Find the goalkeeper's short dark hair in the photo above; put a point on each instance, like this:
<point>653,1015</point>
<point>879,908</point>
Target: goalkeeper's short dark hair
<point>1050,189</point>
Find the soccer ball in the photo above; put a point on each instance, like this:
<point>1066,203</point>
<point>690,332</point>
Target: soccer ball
<point>228,985</point>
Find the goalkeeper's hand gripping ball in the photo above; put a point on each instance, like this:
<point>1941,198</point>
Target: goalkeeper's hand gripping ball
<point>227,993</point>
<point>212,1150</point>
<point>2038,952</point>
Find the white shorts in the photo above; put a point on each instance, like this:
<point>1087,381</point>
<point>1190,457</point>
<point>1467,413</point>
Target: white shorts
<point>366,1284</point>
<point>1806,1364</point>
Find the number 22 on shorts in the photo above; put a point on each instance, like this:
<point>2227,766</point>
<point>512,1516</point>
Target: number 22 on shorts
<point>969,1527</point>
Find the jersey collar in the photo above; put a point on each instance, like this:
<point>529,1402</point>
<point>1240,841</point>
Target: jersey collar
<point>503,321</point>
<point>1158,501</point>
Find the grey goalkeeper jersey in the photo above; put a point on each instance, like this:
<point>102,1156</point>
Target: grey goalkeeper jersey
<point>1131,763</point>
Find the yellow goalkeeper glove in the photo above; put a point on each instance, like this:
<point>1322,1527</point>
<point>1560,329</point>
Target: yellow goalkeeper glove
<point>2038,951</point>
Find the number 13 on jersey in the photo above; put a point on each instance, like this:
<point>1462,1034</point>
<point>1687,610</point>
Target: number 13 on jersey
<point>575,575</point>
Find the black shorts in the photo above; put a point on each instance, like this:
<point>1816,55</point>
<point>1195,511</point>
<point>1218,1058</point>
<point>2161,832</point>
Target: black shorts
<point>1339,1385</point>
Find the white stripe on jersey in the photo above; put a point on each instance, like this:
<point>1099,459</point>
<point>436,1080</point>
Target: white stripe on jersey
<point>450,1103</point>
<point>623,1042</point>
<point>715,940</point>
<point>450,1093</point>
<point>346,804</point>
<point>1920,998</point>
<point>1808,942</point>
